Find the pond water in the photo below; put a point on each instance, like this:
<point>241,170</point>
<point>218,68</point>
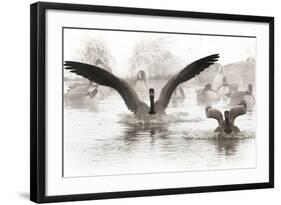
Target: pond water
<point>101,137</point>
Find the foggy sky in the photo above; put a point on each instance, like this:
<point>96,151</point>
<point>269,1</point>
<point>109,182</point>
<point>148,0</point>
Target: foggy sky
<point>187,47</point>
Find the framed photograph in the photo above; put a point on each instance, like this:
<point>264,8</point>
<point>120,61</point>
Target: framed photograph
<point>129,102</point>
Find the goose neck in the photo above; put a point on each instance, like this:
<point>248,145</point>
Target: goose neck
<point>152,111</point>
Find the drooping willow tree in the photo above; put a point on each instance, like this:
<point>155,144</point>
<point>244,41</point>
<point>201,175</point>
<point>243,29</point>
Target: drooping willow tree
<point>94,52</point>
<point>154,56</point>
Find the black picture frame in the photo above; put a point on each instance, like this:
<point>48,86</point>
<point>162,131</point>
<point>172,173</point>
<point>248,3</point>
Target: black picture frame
<point>38,100</point>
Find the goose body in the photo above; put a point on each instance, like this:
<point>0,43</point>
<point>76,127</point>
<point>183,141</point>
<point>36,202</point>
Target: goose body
<point>218,79</point>
<point>226,124</point>
<point>247,95</point>
<point>141,86</point>
<point>224,89</point>
<point>141,82</point>
<point>179,93</point>
<point>81,94</point>
<point>207,95</point>
<point>128,94</point>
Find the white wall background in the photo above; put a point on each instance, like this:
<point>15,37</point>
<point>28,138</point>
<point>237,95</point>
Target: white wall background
<point>14,103</point>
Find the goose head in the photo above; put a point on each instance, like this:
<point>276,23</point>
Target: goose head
<point>226,115</point>
<point>250,89</point>
<point>224,81</point>
<point>141,75</point>
<point>220,69</point>
<point>208,87</point>
<point>93,90</point>
<point>151,97</point>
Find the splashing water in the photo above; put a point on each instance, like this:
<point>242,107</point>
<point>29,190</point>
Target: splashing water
<point>106,139</point>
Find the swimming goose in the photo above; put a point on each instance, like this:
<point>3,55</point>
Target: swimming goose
<point>226,125</point>
<point>178,94</point>
<point>224,89</point>
<point>141,82</point>
<point>132,101</point>
<point>81,94</point>
<point>247,95</point>
<point>218,79</point>
<point>207,95</point>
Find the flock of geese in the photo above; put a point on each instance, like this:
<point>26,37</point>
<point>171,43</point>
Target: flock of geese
<point>98,76</point>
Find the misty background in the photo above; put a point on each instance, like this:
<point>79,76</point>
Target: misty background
<point>159,55</point>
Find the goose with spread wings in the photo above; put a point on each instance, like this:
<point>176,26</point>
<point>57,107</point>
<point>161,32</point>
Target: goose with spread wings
<point>226,124</point>
<point>130,97</point>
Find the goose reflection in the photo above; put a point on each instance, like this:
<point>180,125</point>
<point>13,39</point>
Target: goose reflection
<point>226,146</point>
<point>133,132</point>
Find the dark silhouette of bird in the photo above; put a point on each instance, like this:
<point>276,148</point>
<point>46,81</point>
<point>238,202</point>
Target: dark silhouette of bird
<point>130,97</point>
<point>226,124</point>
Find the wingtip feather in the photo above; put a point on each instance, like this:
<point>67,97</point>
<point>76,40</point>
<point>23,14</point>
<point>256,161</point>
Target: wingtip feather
<point>214,57</point>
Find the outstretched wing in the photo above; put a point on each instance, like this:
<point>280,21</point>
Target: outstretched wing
<point>214,113</point>
<point>184,75</point>
<point>238,110</point>
<point>105,78</point>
